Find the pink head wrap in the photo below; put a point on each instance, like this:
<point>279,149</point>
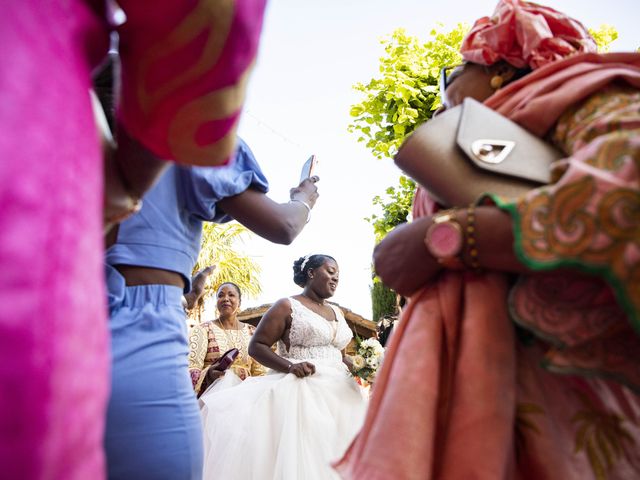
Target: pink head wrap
<point>525,35</point>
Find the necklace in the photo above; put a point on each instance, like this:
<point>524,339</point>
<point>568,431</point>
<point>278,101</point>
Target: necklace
<point>236,340</point>
<point>321,304</point>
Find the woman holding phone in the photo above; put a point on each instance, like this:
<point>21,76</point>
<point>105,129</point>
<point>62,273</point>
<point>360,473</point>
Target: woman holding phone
<point>149,263</point>
<point>210,340</point>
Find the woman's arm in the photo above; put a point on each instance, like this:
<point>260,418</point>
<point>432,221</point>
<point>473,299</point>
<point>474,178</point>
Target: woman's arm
<point>276,222</point>
<point>198,283</point>
<point>404,264</point>
<point>256,368</point>
<point>272,328</point>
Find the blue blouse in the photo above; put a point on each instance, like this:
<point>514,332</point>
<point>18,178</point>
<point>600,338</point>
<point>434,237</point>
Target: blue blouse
<point>167,231</point>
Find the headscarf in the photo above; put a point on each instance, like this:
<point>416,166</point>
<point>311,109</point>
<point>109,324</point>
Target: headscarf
<point>525,34</point>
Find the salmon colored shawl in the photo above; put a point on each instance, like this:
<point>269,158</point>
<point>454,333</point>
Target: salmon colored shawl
<point>537,100</point>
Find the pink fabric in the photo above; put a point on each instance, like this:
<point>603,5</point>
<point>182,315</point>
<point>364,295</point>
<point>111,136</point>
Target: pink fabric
<point>590,322</point>
<point>53,337</point>
<point>525,34</point>
<point>182,95</point>
<point>538,99</point>
<point>426,407</point>
<point>459,398</point>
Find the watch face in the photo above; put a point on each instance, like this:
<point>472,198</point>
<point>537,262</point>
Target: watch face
<point>444,240</point>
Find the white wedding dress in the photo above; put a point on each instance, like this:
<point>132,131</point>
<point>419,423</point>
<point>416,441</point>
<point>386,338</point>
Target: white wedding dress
<point>279,426</point>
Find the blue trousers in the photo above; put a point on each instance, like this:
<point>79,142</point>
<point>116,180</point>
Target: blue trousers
<point>153,422</point>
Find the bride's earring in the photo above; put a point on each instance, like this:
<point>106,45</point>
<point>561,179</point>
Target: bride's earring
<point>496,82</point>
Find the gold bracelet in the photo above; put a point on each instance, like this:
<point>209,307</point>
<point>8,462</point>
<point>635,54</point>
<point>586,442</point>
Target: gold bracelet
<point>472,244</point>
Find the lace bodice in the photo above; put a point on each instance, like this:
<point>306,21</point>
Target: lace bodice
<point>312,337</point>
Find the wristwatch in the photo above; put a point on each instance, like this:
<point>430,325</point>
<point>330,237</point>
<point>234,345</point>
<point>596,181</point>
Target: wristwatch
<point>445,240</point>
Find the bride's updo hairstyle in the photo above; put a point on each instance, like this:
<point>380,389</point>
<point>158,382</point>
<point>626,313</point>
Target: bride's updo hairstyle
<point>302,266</point>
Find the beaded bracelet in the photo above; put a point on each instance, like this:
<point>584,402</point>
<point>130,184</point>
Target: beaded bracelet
<point>472,246</point>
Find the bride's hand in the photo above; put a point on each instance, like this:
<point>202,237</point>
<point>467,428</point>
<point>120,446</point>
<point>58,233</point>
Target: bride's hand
<point>302,369</point>
<point>348,361</point>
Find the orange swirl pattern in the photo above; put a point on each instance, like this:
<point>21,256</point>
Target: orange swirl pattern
<point>591,216</point>
<point>189,119</point>
<point>184,79</point>
<point>211,18</point>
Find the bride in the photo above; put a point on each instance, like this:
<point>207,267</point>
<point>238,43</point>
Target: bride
<point>293,422</point>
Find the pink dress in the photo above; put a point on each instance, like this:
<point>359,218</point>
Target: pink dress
<point>53,336</point>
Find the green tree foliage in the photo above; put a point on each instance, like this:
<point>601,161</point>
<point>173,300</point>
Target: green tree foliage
<point>383,301</point>
<point>406,94</point>
<point>604,36</point>
<point>394,207</point>
<point>219,247</point>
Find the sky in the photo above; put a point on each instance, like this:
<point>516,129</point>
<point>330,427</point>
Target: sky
<point>300,93</point>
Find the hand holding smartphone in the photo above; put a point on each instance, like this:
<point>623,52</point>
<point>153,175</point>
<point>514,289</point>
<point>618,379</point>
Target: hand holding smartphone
<point>308,168</point>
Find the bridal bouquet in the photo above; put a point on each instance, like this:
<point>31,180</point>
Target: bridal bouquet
<point>368,358</point>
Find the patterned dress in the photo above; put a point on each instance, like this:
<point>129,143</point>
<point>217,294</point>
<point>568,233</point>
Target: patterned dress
<point>208,341</point>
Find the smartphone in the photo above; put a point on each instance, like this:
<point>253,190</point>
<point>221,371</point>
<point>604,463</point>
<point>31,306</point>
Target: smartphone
<point>226,360</point>
<point>308,168</point>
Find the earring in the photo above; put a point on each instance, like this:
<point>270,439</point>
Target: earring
<point>496,82</point>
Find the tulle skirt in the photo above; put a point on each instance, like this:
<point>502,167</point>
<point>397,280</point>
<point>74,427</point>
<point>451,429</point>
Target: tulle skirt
<point>279,426</point>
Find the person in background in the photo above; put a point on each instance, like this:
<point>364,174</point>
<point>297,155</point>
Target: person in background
<point>209,340</point>
<point>301,415</point>
<point>185,68</point>
<point>387,323</point>
<point>525,341</point>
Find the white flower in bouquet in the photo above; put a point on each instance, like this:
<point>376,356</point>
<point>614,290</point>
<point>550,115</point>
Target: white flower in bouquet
<point>358,362</point>
<point>374,345</point>
<point>372,362</point>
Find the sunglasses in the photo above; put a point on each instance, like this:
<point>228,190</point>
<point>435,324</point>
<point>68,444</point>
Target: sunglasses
<point>445,80</point>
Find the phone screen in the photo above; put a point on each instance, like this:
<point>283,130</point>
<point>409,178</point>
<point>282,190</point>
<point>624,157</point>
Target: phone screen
<point>308,168</point>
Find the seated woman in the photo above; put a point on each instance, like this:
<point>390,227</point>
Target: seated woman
<point>209,340</point>
<point>301,415</point>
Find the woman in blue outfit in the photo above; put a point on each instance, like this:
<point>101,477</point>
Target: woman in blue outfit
<point>153,423</point>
